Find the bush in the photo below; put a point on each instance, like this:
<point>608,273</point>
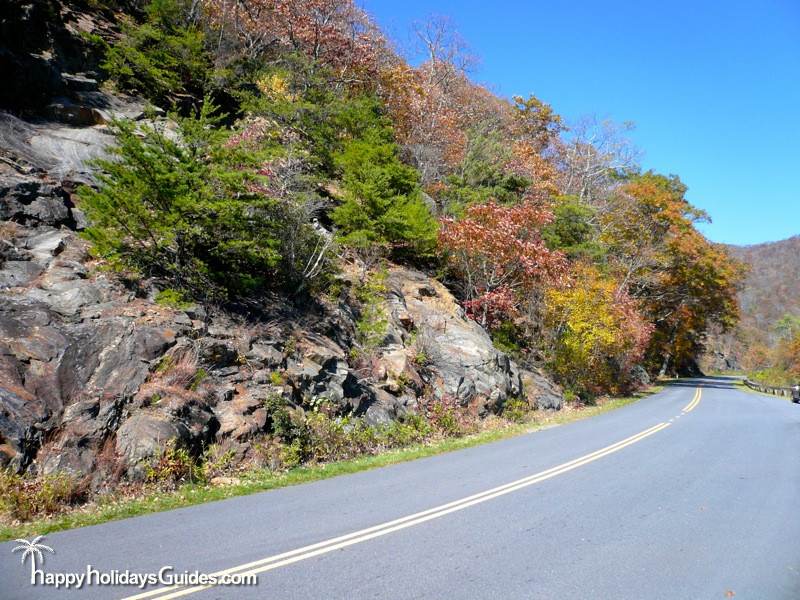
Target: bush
<point>184,207</point>
<point>172,298</point>
<point>172,466</point>
<point>516,410</point>
<point>216,462</point>
<point>23,497</point>
<point>162,58</point>
<point>373,321</point>
<point>444,417</point>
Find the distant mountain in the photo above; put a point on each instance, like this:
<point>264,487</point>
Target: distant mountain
<point>772,287</point>
<point>770,291</point>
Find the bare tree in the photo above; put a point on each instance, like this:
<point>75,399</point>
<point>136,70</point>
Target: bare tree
<point>447,53</point>
<point>591,154</point>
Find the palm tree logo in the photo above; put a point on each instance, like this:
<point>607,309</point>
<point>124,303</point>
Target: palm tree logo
<point>33,549</point>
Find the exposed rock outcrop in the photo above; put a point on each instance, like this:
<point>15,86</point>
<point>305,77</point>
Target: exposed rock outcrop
<point>94,379</point>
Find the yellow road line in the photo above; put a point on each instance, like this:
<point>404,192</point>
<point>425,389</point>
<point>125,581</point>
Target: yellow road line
<point>695,401</point>
<point>363,535</point>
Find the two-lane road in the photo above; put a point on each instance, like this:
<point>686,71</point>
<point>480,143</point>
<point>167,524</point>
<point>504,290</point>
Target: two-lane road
<point>692,493</point>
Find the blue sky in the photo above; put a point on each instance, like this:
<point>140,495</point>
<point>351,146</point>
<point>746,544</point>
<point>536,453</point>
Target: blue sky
<point>713,87</point>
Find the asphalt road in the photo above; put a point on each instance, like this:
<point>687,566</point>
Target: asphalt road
<point>683,495</point>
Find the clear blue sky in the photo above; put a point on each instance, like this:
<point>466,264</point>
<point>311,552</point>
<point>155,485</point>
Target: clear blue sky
<point>713,87</point>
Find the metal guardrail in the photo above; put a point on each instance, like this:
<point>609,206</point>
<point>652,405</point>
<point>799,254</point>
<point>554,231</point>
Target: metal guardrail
<point>768,389</point>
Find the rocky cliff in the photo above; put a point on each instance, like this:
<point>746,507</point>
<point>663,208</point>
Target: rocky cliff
<point>93,377</point>
<point>96,377</point>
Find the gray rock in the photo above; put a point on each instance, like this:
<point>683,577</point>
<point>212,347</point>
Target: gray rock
<point>16,273</point>
<point>217,353</point>
<point>540,391</point>
<point>70,299</point>
<point>265,355</point>
<point>196,312</point>
<point>461,360</point>
<point>46,243</point>
<point>144,436</point>
<point>639,376</point>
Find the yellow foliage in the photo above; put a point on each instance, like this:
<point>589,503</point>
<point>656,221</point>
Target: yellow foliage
<point>276,87</point>
<point>599,333</point>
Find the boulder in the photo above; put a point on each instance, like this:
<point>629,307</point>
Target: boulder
<point>143,437</point>
<point>461,361</point>
<point>18,273</point>
<point>242,416</point>
<point>540,391</point>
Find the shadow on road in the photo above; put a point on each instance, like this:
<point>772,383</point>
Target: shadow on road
<point>724,382</point>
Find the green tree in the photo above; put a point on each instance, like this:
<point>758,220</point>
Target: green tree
<point>184,206</point>
<point>482,174</point>
<point>163,58</point>
<point>573,230</point>
<point>382,204</point>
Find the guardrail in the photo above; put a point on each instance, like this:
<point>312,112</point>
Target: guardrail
<point>768,389</point>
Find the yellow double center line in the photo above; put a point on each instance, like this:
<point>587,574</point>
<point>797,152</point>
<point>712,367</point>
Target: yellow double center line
<point>695,401</point>
<point>363,535</point>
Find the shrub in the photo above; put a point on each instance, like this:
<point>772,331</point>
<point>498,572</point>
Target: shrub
<point>173,465</point>
<point>444,417</point>
<point>162,58</point>
<point>23,497</point>
<point>172,298</point>
<point>373,321</point>
<point>272,453</point>
<point>216,461</point>
<point>412,429</point>
<point>516,410</point>
<point>509,338</point>
<point>183,207</point>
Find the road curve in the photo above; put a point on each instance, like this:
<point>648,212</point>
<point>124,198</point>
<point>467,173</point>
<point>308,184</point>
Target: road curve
<point>686,494</point>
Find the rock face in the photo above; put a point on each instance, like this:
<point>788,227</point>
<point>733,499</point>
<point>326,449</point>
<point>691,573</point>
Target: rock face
<point>44,52</point>
<point>96,379</point>
<point>457,354</point>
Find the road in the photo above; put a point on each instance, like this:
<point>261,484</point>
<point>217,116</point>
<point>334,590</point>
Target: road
<point>686,494</point>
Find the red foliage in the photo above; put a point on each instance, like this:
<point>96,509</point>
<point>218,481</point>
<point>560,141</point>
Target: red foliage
<point>492,308</point>
<point>498,253</point>
<point>333,33</point>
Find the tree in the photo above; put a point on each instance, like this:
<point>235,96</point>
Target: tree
<point>499,257</point>
<point>593,157</point>
<point>535,122</point>
<point>336,36</point>
<point>482,174</point>
<point>598,333</point>
<point>164,58</point>
<point>686,283</point>
<point>573,231</point>
<point>187,207</point>
<point>382,203</point>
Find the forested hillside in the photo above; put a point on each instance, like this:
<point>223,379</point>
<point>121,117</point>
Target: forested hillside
<point>771,289</point>
<point>552,237</point>
<point>766,339</point>
<point>295,246</point>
